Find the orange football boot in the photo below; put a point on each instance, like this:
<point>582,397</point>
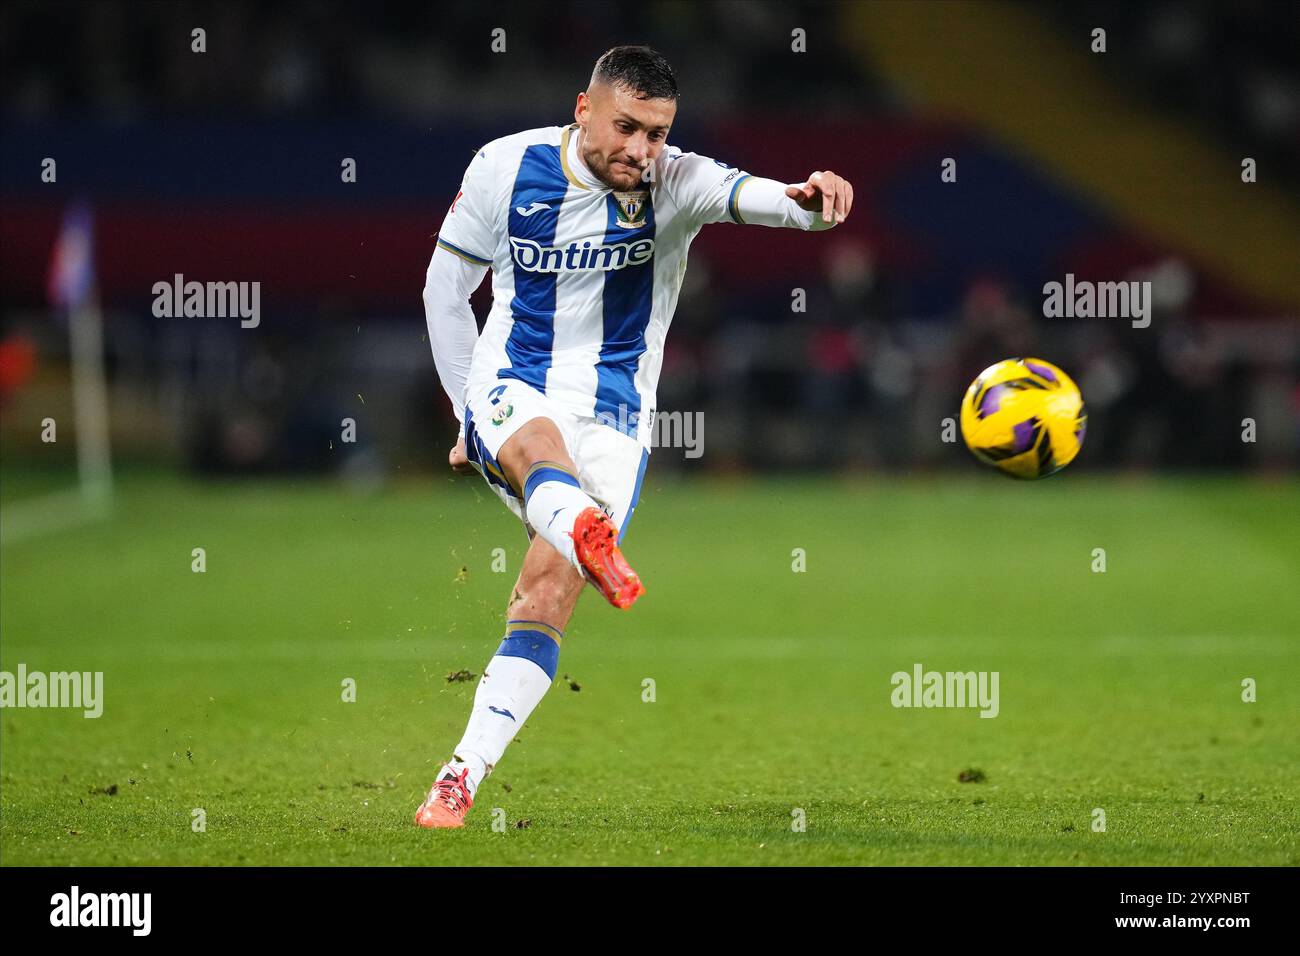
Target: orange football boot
<point>447,802</point>
<point>595,541</point>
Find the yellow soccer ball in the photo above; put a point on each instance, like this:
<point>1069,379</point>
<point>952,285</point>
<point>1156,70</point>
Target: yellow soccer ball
<point>1024,417</point>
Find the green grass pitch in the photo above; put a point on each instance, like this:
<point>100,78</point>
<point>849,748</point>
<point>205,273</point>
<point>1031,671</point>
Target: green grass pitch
<point>1119,690</point>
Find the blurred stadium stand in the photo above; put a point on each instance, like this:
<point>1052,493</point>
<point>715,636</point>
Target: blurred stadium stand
<point>225,166</point>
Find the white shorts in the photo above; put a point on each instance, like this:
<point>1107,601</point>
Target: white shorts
<point>610,465</point>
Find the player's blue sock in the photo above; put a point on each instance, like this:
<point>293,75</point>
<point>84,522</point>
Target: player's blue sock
<point>553,499</point>
<point>512,685</point>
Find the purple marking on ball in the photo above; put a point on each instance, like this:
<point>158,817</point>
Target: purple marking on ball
<point>1023,435</point>
<point>1042,370</point>
<point>992,400</point>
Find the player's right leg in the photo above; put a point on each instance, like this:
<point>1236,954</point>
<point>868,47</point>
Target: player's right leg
<point>513,436</point>
<point>537,461</point>
<point>513,683</point>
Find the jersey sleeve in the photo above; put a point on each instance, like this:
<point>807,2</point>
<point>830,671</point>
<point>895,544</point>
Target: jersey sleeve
<point>709,190</point>
<point>468,230</point>
<point>448,284</point>
<point>704,189</point>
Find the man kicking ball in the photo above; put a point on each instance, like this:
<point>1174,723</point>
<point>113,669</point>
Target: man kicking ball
<point>586,229</point>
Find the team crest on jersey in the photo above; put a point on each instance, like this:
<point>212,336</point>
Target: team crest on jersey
<point>502,413</point>
<point>631,208</point>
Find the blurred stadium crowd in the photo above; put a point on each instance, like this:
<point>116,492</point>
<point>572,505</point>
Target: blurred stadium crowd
<point>903,307</point>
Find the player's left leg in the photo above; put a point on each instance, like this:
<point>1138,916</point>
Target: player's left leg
<point>610,467</point>
<point>513,683</point>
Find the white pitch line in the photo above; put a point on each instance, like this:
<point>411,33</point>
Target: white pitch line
<point>57,511</point>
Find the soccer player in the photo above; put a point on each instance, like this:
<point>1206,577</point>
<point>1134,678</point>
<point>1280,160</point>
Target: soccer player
<point>586,229</point>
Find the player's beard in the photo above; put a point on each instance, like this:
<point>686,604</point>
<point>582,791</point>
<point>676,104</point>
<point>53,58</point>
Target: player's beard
<point>615,175</point>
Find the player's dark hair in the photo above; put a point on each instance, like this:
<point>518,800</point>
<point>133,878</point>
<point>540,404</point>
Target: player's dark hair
<point>639,69</point>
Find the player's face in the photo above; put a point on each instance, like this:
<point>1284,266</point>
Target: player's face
<point>622,135</point>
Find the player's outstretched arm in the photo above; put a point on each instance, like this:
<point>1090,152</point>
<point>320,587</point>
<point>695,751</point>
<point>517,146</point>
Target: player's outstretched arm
<point>820,202</point>
<point>826,193</point>
<point>711,191</point>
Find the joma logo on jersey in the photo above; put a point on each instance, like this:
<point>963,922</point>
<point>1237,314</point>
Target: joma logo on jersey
<point>580,257</point>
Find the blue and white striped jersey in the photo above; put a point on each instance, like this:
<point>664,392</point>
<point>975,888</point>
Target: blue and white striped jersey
<point>585,279</point>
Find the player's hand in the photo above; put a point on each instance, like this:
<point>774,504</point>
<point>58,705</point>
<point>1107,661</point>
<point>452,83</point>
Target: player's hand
<point>458,460</point>
<point>825,192</point>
